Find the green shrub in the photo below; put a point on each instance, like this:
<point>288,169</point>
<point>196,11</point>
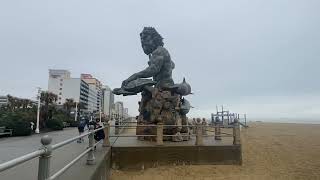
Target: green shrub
<point>73,123</point>
<point>22,128</point>
<point>16,121</point>
<point>66,118</point>
<point>55,124</point>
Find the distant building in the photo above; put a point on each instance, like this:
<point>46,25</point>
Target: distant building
<point>86,89</point>
<point>95,92</point>
<point>3,101</point>
<point>107,101</point>
<point>65,87</point>
<point>118,106</point>
<point>125,113</point>
<point>56,83</point>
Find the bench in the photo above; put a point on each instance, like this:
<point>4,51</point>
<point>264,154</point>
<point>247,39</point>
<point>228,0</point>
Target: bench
<point>5,131</point>
<point>66,124</point>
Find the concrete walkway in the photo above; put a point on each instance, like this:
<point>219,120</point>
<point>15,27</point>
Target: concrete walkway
<point>14,147</point>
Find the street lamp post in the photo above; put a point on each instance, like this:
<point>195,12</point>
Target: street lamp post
<point>76,114</point>
<point>100,113</point>
<point>38,111</point>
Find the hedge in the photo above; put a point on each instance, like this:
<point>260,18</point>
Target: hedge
<point>16,121</point>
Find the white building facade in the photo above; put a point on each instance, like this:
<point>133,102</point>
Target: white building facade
<point>4,100</point>
<point>92,99</point>
<point>95,93</point>
<point>107,101</point>
<point>65,87</point>
<point>86,90</point>
<point>125,113</point>
<point>118,106</point>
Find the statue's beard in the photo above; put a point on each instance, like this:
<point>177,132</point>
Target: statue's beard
<point>147,49</point>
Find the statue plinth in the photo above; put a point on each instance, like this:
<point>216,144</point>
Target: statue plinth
<point>162,106</point>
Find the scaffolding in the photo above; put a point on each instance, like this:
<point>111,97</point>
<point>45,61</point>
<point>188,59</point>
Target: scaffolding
<point>225,117</point>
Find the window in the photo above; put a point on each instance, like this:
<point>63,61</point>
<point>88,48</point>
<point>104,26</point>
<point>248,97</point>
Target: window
<point>60,84</point>
<point>60,93</point>
<point>60,89</point>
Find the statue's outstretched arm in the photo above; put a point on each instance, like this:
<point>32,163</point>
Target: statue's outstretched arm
<point>153,69</point>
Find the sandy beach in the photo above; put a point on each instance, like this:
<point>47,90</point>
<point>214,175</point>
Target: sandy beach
<point>270,151</point>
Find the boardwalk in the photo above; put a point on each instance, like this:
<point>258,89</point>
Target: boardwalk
<point>14,147</point>
<point>134,142</point>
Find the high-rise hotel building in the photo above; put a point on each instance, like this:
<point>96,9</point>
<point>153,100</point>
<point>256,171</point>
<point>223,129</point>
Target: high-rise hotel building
<point>65,87</point>
<point>86,90</point>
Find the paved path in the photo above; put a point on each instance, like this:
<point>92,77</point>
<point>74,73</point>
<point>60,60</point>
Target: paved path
<point>14,147</point>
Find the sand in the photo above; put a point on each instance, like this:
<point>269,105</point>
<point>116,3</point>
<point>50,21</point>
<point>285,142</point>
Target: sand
<point>270,151</point>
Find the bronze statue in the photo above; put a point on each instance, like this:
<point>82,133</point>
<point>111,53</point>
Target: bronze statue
<point>160,65</point>
<point>162,100</point>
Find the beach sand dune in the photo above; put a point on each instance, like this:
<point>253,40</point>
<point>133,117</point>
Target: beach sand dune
<point>270,151</point>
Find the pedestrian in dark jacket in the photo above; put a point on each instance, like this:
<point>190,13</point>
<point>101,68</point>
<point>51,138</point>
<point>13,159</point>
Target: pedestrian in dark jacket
<point>99,134</point>
<point>81,126</point>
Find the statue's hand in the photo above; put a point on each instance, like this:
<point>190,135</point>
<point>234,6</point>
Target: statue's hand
<point>131,78</point>
<point>124,83</point>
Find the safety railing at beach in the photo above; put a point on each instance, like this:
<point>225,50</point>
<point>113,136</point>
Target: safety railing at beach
<point>200,131</point>
<point>45,152</point>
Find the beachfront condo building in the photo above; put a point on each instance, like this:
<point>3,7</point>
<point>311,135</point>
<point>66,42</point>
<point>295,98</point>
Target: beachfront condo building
<point>65,87</point>
<point>107,100</point>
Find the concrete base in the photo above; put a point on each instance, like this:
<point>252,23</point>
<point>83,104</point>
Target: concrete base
<point>145,157</point>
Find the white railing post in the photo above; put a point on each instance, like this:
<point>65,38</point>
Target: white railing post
<point>91,158</point>
<point>160,134</point>
<point>116,128</point>
<point>44,159</point>
<point>106,130</point>
<point>236,132</point>
<point>217,131</point>
<point>199,138</point>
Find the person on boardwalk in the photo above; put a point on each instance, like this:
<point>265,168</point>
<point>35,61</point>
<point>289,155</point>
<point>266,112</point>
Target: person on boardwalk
<point>81,126</point>
<point>194,123</point>
<point>99,135</point>
<point>204,126</point>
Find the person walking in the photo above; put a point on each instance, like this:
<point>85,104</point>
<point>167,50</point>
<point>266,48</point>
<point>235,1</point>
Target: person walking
<point>81,126</point>
<point>32,126</point>
<point>99,135</point>
<point>204,126</point>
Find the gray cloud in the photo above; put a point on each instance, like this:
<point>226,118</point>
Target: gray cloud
<point>248,55</point>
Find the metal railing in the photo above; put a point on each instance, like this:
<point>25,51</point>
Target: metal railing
<point>199,132</point>
<point>45,152</point>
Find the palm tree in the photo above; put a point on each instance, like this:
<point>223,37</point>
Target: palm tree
<point>11,102</point>
<point>68,105</point>
<point>81,105</point>
<point>19,103</point>
<point>47,98</point>
<point>25,103</point>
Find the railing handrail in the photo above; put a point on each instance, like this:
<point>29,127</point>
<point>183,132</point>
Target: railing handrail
<point>154,125</point>
<point>66,167</point>
<point>68,141</point>
<point>19,160</point>
<point>45,152</point>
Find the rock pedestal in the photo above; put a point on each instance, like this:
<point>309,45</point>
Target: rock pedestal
<point>166,107</point>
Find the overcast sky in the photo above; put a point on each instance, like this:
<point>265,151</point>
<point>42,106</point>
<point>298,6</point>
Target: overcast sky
<point>259,57</point>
